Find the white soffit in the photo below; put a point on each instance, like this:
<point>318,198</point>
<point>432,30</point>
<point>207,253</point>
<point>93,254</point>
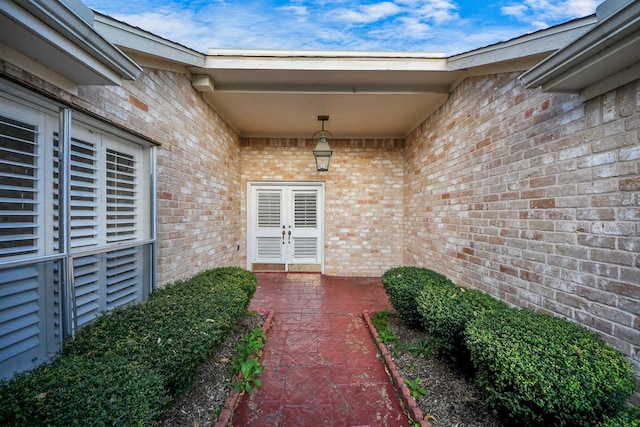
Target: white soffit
<point>606,57</point>
<point>366,94</point>
<point>59,35</point>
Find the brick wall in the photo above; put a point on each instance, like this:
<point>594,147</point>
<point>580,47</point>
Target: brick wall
<point>533,198</point>
<point>363,196</point>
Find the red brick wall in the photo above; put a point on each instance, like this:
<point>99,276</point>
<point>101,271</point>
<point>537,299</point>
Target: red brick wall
<point>533,198</point>
<point>363,196</point>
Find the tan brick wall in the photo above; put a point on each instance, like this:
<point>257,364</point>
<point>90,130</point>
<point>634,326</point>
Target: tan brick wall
<point>363,196</point>
<point>198,165</point>
<point>533,198</point>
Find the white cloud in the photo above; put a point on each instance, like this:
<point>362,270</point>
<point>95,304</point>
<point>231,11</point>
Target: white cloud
<point>369,13</point>
<point>543,13</point>
<point>414,27</point>
<point>440,11</point>
<point>515,10</point>
<point>299,11</point>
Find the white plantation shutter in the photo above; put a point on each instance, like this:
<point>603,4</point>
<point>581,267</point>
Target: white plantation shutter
<point>86,274</point>
<point>269,249</point>
<point>305,247</point>
<point>305,207</point>
<point>84,192</point>
<point>20,315</point>
<point>26,309</point>
<point>84,195</point>
<point>121,196</point>
<point>19,189</point>
<point>269,208</point>
<point>305,220</point>
<point>123,277</point>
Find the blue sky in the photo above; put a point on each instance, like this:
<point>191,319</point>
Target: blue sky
<point>448,26</point>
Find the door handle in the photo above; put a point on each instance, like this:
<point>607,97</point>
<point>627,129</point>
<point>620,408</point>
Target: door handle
<point>283,233</point>
<point>289,236</point>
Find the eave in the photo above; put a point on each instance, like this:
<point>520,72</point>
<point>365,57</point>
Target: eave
<point>59,36</point>
<point>604,58</point>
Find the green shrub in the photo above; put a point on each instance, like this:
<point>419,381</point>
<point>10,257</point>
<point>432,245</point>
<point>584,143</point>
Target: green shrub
<point>157,345</point>
<point>80,391</point>
<point>542,370</point>
<point>240,277</point>
<point>445,311</point>
<point>629,417</point>
<point>402,285</point>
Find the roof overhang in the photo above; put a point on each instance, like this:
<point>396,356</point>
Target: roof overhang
<point>59,36</point>
<point>281,93</point>
<point>366,94</point>
<point>604,58</point>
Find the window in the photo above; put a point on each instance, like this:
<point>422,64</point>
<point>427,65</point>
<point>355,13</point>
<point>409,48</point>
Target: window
<point>75,231</point>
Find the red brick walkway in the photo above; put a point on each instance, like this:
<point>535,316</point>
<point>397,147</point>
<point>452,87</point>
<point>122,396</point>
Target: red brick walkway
<point>320,362</point>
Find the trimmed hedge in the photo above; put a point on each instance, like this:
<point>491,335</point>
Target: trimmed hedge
<point>630,417</point>
<point>542,370</point>
<point>445,311</point>
<point>79,391</point>
<point>403,284</point>
<point>122,368</point>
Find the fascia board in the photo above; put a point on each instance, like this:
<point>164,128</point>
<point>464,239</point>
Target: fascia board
<point>323,60</point>
<point>135,39</point>
<point>601,42</point>
<point>530,45</point>
<point>55,24</point>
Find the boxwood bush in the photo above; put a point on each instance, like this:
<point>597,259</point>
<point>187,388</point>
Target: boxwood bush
<point>81,391</point>
<point>445,311</point>
<point>402,285</point>
<point>542,370</point>
<point>123,368</point>
<point>629,417</point>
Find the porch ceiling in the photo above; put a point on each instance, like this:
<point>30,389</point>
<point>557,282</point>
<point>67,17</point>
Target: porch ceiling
<point>280,93</point>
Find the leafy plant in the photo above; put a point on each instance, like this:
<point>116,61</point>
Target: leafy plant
<point>387,337</point>
<point>379,319</point>
<point>250,369</point>
<point>414,387</point>
<point>250,344</point>
<point>445,311</point>
<point>402,285</point>
<point>423,347</point>
<point>629,417</point>
<point>543,370</point>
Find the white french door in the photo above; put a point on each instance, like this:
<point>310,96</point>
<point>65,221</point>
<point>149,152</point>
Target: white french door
<point>285,227</point>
